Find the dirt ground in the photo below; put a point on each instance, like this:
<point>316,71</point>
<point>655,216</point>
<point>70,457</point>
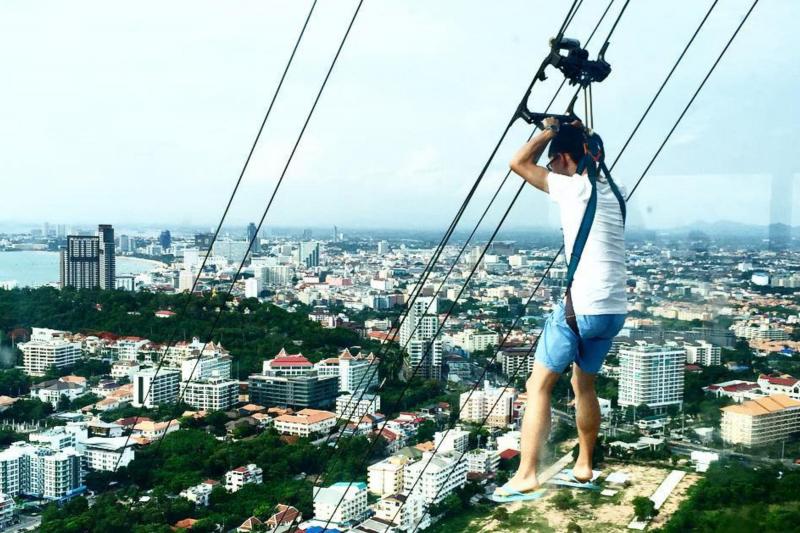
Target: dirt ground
<point>604,514</point>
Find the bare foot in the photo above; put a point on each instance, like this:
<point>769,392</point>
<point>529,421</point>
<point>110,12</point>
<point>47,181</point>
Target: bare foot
<point>582,473</point>
<point>523,483</point>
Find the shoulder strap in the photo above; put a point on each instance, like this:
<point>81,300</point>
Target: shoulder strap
<point>615,190</point>
<point>583,232</point>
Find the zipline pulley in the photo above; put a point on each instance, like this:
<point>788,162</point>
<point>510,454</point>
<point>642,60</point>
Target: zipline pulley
<point>577,68</point>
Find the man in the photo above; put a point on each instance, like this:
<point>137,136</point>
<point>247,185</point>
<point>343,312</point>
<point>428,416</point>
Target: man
<point>597,296</point>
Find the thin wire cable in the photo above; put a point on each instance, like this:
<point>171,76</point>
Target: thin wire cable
<point>464,246</point>
<point>530,350</point>
<point>279,182</point>
<point>466,282</point>
<point>423,280</point>
<point>444,240</point>
<point>171,341</point>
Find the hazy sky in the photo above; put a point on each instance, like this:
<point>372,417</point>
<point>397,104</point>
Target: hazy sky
<point>144,112</point>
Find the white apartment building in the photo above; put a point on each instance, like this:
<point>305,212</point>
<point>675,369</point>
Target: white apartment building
<point>239,477</point>
<point>56,439</point>
<point>124,369</point>
<point>761,421</point>
<point>762,330</point>
<point>405,513</point>
<point>6,510</point>
<point>517,361</point>
<point>454,440</point>
<point>200,368</point>
<point>252,287</point>
<point>509,441</point>
<point>26,469</point>
<point>417,334</point>
<point>703,353</point>
<point>494,404</point>
<point>386,477</point>
<point>352,509</point>
<point>152,388</point>
<point>305,422</point>
<point>213,394</point>
<point>651,374</point>
<point>47,348</point>
<point>354,407</point>
<point>106,454</point>
<point>355,373</point>
<point>200,493</point>
<point>445,472</point>
<point>276,276</point>
<point>473,340</point>
<point>482,461</point>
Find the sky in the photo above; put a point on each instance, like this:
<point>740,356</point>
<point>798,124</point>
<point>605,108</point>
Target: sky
<point>144,114</point>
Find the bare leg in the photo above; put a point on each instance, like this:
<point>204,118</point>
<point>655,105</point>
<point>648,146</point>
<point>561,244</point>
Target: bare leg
<point>587,416</point>
<point>535,427</point>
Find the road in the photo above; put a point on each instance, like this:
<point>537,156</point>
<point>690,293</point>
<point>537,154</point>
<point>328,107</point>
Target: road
<point>686,448</point>
<point>26,523</point>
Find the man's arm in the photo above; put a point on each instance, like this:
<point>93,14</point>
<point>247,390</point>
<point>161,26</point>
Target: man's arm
<point>524,161</point>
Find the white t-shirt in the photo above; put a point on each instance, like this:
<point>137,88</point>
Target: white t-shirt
<point>599,284</point>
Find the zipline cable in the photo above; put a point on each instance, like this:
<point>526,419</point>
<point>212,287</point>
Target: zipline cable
<point>655,156</point>
<point>455,261</point>
<point>450,230</point>
<point>283,174</point>
<point>171,342</point>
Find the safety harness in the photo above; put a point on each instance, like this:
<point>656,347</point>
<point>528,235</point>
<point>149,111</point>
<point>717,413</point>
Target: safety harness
<point>593,163</point>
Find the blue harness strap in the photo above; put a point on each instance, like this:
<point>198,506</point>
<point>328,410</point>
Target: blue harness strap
<point>593,163</point>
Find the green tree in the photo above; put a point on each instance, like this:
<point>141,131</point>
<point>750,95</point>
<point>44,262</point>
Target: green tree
<point>644,508</point>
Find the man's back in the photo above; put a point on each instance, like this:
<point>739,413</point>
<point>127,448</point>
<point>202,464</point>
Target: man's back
<point>599,284</point>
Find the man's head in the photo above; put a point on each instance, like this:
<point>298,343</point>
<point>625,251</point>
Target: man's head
<point>566,150</point>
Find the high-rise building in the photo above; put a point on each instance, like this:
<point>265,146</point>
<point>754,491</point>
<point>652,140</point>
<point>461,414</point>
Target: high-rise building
<point>89,261</point>
<point>165,239</point>
<point>252,237</point>
<point>651,374</point>
<point>417,334</point>
<point>125,244</point>
<point>383,247</point>
<point>308,254</point>
<point>107,258</point>
<point>80,262</point>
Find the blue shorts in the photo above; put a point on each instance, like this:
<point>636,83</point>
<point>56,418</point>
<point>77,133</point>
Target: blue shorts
<point>559,346</point>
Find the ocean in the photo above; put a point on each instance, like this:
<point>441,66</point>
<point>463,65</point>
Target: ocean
<point>33,269</point>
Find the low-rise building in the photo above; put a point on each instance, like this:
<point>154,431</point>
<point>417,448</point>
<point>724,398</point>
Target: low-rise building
<point>453,440</point>
<point>199,494</point>
<point>762,421</point>
<point>305,422</point>
<point>386,477</point>
<point>355,407</point>
<point>150,430</point>
<point>53,390</point>
<point>106,454</point>
<point>239,477</point>
<point>7,507</point>
<point>211,394</point>
<point>401,512</point>
<point>481,461</point>
<point>343,504</point>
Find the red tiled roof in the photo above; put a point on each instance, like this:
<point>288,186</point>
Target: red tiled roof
<point>290,360</point>
<point>508,454</point>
